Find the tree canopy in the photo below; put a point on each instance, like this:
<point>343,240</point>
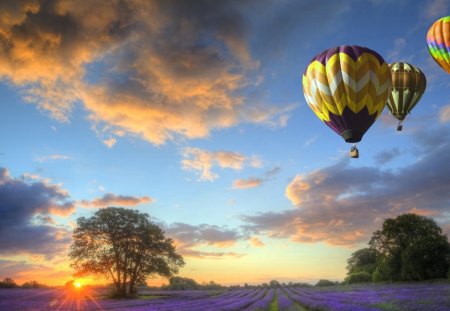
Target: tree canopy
<point>408,247</point>
<point>122,245</point>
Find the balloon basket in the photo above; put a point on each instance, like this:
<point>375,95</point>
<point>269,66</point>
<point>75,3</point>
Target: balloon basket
<point>354,153</point>
<point>399,128</point>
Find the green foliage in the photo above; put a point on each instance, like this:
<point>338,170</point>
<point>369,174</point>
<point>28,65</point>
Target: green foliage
<point>274,284</point>
<point>211,286</point>
<point>426,259</point>
<point>123,245</point>
<point>358,277</point>
<point>180,283</point>
<point>363,260</point>
<point>326,283</point>
<point>410,247</point>
<point>274,303</point>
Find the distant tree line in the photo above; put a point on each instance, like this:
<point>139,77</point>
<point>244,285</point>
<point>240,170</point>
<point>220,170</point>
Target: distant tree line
<point>407,248</point>
<point>9,283</point>
<point>181,283</point>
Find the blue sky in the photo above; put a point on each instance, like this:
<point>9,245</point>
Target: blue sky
<point>193,112</point>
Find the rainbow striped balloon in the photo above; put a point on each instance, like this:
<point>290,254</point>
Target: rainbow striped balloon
<point>347,88</point>
<point>438,41</point>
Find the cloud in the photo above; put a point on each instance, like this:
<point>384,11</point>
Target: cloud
<point>111,199</point>
<point>110,142</point>
<point>26,208</point>
<point>399,45</point>
<point>202,234</point>
<point>435,8</point>
<point>253,182</point>
<point>52,157</point>
<point>210,255</point>
<point>342,204</point>
<point>310,141</point>
<point>157,70</point>
<point>387,156</point>
<point>189,238</point>
<point>202,161</point>
<point>256,242</point>
<point>444,115</point>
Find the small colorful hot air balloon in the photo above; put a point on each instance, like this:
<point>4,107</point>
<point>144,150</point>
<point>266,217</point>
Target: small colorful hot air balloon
<point>347,88</point>
<point>408,85</point>
<point>438,41</point>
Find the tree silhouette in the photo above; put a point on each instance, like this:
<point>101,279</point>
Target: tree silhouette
<point>122,245</point>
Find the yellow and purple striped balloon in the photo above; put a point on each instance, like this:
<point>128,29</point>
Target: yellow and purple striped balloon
<point>347,88</point>
<point>438,41</point>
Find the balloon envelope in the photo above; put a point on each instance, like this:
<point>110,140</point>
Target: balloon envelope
<point>408,85</point>
<point>347,88</point>
<point>438,41</point>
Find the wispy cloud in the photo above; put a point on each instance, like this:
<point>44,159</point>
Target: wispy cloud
<point>110,142</point>
<point>111,199</point>
<point>51,157</point>
<point>436,9</point>
<point>444,115</point>
<point>202,162</point>
<point>310,141</point>
<point>191,238</point>
<point>252,182</point>
<point>394,54</point>
<point>256,242</point>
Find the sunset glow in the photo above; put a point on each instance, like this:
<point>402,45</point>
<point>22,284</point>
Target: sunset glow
<point>193,112</point>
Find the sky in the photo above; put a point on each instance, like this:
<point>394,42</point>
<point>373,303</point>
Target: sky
<point>193,112</point>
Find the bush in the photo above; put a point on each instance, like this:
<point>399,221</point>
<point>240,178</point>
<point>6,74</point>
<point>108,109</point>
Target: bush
<point>8,283</point>
<point>358,277</point>
<point>326,283</point>
<point>382,273</point>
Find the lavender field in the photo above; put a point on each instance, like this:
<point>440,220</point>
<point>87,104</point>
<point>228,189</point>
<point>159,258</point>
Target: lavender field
<point>423,296</point>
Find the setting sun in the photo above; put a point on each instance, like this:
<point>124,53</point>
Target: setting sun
<point>77,284</point>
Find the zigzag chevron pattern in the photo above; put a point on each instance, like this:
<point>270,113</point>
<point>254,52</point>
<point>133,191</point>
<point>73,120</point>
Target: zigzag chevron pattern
<point>438,41</point>
<point>358,79</point>
<point>408,85</point>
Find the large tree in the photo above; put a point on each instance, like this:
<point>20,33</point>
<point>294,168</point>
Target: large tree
<point>123,245</point>
<point>411,247</point>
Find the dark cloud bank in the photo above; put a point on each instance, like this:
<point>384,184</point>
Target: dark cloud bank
<point>25,222</point>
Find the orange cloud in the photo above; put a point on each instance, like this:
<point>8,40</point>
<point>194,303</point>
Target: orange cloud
<point>246,183</point>
<point>297,189</point>
<point>202,161</point>
<point>111,199</point>
<point>256,242</point>
<point>153,77</point>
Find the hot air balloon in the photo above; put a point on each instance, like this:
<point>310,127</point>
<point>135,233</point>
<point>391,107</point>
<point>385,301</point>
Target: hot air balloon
<point>438,41</point>
<point>408,85</point>
<point>347,88</point>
